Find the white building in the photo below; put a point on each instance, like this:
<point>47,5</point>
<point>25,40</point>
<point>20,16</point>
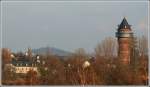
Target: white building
<point>24,69</point>
<point>23,66</point>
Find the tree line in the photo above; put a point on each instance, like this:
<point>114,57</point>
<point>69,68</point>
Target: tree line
<point>80,68</point>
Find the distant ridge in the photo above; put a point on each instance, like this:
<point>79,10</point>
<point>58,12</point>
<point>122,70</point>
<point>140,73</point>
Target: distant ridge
<point>50,50</point>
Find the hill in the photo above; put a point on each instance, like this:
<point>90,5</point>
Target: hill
<point>50,50</point>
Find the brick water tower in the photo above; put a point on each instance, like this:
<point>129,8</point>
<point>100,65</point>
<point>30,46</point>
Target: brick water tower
<point>124,35</point>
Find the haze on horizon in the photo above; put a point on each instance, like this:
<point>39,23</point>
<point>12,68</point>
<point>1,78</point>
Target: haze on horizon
<point>68,25</point>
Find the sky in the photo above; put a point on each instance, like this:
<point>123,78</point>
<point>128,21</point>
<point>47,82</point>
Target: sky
<point>68,25</point>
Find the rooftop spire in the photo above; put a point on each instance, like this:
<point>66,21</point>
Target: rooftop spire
<point>124,24</point>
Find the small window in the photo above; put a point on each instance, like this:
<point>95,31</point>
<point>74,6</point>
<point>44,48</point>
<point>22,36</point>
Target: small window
<point>125,26</point>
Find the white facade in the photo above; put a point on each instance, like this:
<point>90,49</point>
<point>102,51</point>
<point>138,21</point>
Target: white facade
<point>24,69</point>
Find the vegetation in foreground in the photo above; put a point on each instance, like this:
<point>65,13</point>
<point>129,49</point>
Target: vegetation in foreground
<point>103,68</point>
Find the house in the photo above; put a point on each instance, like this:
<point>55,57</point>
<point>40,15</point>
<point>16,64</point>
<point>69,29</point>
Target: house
<point>22,65</point>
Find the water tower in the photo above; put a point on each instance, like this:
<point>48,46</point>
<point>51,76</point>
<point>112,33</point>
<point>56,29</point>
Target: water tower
<point>124,35</point>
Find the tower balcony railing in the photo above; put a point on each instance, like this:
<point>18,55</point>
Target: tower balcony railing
<point>124,34</point>
<point>125,31</point>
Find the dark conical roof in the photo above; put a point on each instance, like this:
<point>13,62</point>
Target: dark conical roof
<point>124,24</point>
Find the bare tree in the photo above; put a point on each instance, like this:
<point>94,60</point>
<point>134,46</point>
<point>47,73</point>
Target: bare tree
<point>6,55</point>
<point>29,52</point>
<point>143,45</point>
<point>55,69</point>
<point>79,69</point>
<point>143,61</point>
<point>107,48</point>
<point>31,78</point>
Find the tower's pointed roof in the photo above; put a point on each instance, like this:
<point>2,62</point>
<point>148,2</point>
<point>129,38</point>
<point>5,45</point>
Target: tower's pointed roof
<point>124,24</point>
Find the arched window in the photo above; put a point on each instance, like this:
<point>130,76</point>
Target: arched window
<point>125,26</point>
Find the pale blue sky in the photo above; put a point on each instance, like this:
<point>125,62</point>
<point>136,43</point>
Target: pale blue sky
<point>67,25</point>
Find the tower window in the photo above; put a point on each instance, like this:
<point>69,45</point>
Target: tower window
<point>125,26</point>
